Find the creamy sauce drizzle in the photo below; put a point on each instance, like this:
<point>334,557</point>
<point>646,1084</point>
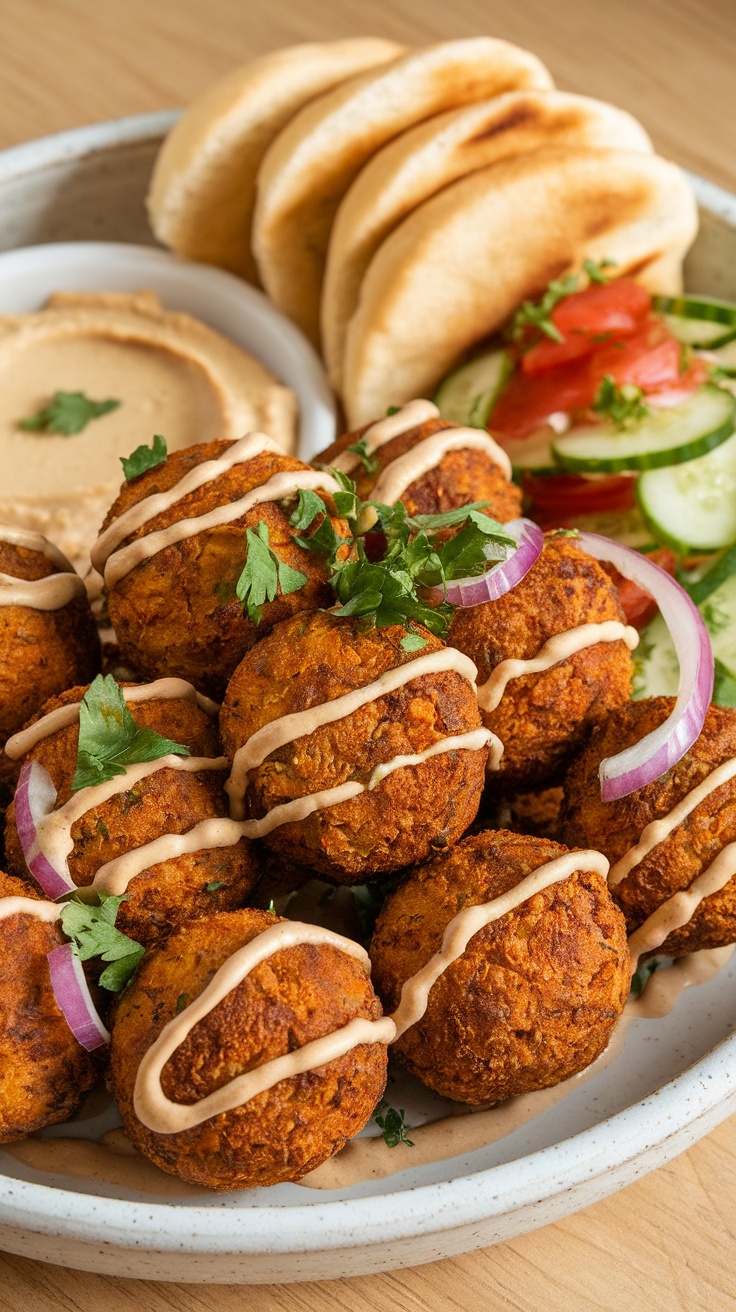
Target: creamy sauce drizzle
<point>49,593</point>
<point>679,909</point>
<point>29,906</point>
<point>657,830</point>
<point>156,1111</point>
<point>301,723</point>
<point>54,831</point>
<point>384,430</point>
<point>664,987</point>
<point>63,716</point>
<point>556,649</point>
<point>418,461</point>
<point>253,444</point>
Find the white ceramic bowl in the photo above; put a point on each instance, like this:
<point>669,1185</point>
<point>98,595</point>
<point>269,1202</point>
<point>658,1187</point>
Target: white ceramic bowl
<point>29,276</point>
<point>675,1080</point>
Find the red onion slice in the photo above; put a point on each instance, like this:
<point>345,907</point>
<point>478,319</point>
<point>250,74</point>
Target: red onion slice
<point>35,798</point>
<point>503,576</point>
<point>659,750</point>
<point>74,999</point>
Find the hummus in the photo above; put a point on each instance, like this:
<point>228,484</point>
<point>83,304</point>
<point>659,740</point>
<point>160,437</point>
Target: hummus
<point>171,374</point>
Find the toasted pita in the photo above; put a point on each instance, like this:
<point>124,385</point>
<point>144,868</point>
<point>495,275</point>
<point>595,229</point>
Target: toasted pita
<point>429,157</point>
<point>313,161</point>
<point>458,267</point>
<point>202,191</point>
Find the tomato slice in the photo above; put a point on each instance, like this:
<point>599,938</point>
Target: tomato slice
<point>617,308</point>
<point>650,358</point>
<point>560,498</point>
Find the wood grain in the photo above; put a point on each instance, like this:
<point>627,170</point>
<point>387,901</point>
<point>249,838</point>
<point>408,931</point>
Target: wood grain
<point>667,1241</point>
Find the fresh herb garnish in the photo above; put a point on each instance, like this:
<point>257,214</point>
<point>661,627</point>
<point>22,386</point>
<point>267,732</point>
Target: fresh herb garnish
<point>641,977</point>
<point>110,739</point>
<point>391,1122</point>
<point>92,932</point>
<point>264,574</point>
<point>68,413</point>
<point>367,459</point>
<point>413,642</point>
<point>623,405</point>
<point>537,315</point>
<point>144,457</point>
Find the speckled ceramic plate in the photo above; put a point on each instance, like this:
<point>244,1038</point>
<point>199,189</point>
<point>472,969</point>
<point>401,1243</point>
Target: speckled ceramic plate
<point>674,1080</point>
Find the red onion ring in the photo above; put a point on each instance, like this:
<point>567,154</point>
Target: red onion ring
<point>659,750</point>
<point>35,798</point>
<point>502,577</point>
<point>74,999</point>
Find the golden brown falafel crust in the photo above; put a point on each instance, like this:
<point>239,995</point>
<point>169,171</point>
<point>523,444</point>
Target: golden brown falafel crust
<point>311,659</point>
<point>543,719</point>
<point>44,1071</point>
<point>42,652</point>
<point>459,478</point>
<point>178,613</point>
<point>297,995</point>
<point>535,996</point>
<point>168,801</point>
<point>615,827</point>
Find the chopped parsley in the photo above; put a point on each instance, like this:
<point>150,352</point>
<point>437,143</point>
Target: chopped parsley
<point>110,739</point>
<point>367,459</point>
<point>413,642</point>
<point>623,405</point>
<point>264,574</point>
<point>92,932</point>
<point>68,413</point>
<point>392,1124</point>
<point>144,457</point>
<point>537,315</point>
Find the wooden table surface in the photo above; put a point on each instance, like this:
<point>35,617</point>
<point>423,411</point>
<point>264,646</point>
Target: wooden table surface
<point>668,1241</point>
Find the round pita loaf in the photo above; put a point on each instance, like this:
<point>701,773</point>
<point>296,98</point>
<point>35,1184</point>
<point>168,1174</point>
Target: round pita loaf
<point>422,161</point>
<point>313,161</point>
<point>459,266</point>
<point>202,191</point>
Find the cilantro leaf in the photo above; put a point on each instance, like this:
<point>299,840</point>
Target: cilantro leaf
<point>68,413</point>
<point>537,314</point>
<point>623,405</point>
<point>264,573</point>
<point>144,457</point>
<point>413,642</point>
<point>392,1124</point>
<point>367,459</point>
<point>596,270</point>
<point>92,932</point>
<point>110,739</point>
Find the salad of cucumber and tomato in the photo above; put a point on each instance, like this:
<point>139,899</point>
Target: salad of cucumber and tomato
<point>618,410</point>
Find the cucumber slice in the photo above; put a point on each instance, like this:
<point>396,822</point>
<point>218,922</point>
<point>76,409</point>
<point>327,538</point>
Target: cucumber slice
<point>692,507</point>
<point>698,321</point>
<point>656,668</point>
<point>664,437</point>
<point>533,454</point>
<point>655,662</point>
<point>624,526</point>
<point>468,395</point>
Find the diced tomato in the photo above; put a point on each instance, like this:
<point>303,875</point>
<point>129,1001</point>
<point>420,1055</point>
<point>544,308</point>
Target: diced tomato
<point>638,606</point>
<point>616,308</point>
<point>558,499</point>
<point>650,358</point>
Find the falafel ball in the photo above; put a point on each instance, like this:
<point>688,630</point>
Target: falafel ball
<point>615,827</point>
<point>458,479</point>
<point>42,652</point>
<point>543,719</point>
<point>536,994</point>
<point>299,994</point>
<point>44,1071</point>
<point>312,659</point>
<point>168,801</point>
<point>178,612</point>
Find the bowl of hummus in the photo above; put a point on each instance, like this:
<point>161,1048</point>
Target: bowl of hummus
<point>105,345</point>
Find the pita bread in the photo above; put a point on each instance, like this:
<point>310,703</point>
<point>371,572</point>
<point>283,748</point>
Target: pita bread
<point>313,161</point>
<point>459,266</point>
<point>429,157</point>
<point>202,191</point>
